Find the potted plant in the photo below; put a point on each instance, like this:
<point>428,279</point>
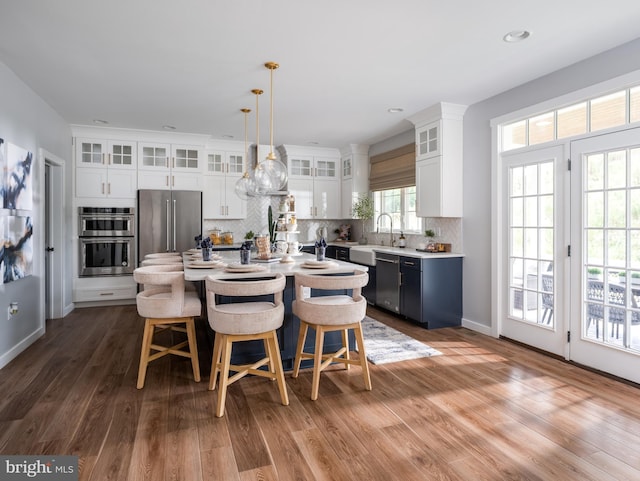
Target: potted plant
<point>430,234</point>
<point>363,209</point>
<point>594,273</point>
<point>248,238</point>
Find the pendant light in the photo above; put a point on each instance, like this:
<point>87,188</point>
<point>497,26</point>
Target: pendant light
<point>271,173</point>
<point>255,188</point>
<point>245,186</point>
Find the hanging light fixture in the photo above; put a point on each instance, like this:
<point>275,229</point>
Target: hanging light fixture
<point>271,173</point>
<point>255,188</point>
<point>245,186</point>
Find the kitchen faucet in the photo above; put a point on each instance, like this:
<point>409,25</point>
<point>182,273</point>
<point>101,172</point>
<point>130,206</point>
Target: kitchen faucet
<point>391,227</point>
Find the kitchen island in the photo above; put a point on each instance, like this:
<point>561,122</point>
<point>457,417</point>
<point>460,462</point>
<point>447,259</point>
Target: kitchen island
<point>251,351</point>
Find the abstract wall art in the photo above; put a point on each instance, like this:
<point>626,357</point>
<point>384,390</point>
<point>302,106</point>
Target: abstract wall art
<point>17,188</point>
<point>16,249</point>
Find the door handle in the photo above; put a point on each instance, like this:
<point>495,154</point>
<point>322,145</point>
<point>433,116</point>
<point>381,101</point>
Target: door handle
<point>168,225</point>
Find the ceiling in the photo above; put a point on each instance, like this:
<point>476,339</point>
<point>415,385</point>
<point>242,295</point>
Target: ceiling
<point>191,64</point>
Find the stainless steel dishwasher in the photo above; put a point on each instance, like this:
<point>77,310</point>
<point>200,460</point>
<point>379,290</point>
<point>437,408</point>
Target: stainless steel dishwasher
<point>388,281</point>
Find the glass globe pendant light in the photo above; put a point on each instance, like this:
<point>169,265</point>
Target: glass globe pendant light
<point>271,173</point>
<point>245,186</point>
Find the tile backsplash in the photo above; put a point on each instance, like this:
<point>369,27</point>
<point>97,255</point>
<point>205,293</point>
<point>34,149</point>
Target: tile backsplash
<point>449,230</point>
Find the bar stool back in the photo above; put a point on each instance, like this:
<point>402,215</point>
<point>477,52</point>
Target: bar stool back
<point>244,321</point>
<point>330,313</point>
<point>165,305</point>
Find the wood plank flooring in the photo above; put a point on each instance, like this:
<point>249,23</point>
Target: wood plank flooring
<point>486,409</point>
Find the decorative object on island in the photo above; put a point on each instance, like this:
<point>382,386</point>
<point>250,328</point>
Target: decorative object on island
<point>363,209</point>
<point>321,248</point>
<point>245,252</point>
<point>206,246</point>
<point>263,246</point>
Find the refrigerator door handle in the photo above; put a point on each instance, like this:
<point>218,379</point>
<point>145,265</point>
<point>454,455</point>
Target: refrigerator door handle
<point>175,242</point>
<point>168,225</point>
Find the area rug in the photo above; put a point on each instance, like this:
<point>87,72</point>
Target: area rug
<point>384,344</point>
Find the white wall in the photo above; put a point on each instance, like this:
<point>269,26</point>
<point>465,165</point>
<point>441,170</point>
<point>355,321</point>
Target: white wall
<point>27,121</point>
<point>476,226</point>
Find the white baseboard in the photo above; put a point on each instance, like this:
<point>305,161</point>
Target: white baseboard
<point>68,309</point>
<point>10,355</point>
<point>476,326</point>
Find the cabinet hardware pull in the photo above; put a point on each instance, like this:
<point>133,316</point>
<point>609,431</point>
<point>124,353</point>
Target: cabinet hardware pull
<point>103,187</point>
<point>408,263</point>
<point>106,293</point>
<point>109,188</point>
<point>109,160</point>
<point>167,178</point>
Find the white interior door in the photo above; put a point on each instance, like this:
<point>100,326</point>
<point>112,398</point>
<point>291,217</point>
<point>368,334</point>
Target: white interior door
<point>532,308</point>
<point>605,262</point>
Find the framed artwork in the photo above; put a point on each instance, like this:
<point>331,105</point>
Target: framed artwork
<point>16,250</point>
<point>17,185</point>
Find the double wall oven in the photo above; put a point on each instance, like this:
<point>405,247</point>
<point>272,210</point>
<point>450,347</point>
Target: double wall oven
<point>106,241</point>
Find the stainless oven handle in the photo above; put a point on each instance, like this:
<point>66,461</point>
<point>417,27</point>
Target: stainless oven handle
<point>168,225</point>
<point>175,247</point>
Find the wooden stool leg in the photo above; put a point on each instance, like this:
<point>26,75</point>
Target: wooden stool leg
<point>269,353</point>
<point>345,343</point>
<point>302,335</point>
<point>224,376</point>
<point>276,366</point>
<point>193,348</point>
<point>145,350</point>
<point>363,357</point>
<point>215,361</point>
<point>317,362</point>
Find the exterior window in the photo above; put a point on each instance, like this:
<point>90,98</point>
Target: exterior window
<point>608,111</point>
<point>400,204</point>
<point>541,128</point>
<point>603,112</point>
<point>634,110</point>
<point>572,120</point>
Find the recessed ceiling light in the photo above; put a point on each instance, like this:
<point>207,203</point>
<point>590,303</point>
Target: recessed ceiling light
<point>100,122</point>
<point>395,110</point>
<point>168,127</point>
<point>516,36</point>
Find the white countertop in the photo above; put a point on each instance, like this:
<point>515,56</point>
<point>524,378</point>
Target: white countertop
<point>407,251</point>
<point>289,269</point>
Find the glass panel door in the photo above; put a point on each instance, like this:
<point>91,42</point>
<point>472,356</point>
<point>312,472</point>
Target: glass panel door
<point>532,312</point>
<point>606,262</point>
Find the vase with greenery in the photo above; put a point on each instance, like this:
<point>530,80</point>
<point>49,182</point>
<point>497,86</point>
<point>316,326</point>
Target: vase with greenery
<point>363,209</point>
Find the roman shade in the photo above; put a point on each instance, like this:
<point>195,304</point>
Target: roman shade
<point>394,169</point>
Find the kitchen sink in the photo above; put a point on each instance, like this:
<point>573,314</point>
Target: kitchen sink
<point>363,254</point>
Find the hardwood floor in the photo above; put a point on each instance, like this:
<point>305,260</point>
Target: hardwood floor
<point>486,409</point>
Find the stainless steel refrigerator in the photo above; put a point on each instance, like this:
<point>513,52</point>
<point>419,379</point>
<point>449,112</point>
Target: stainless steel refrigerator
<point>168,221</point>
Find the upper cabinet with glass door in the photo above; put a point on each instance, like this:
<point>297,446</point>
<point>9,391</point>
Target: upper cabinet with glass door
<point>105,169</point>
<point>219,198</point>
<point>169,166</point>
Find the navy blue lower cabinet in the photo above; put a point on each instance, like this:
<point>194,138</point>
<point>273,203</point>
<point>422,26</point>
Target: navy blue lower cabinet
<point>431,291</point>
<point>251,351</point>
<point>411,288</point>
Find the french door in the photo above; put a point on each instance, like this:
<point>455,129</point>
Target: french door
<point>534,257</point>
<point>605,259</point>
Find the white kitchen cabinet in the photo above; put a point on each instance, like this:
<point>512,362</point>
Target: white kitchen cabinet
<point>169,166</point>
<point>314,179</point>
<point>105,169</point>
<point>355,177</point>
<point>439,160</point>
<point>219,197</point>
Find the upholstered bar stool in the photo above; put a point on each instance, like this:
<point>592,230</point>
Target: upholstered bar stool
<point>160,261</point>
<point>245,321</point>
<point>165,304</point>
<point>330,313</point>
<point>160,255</point>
